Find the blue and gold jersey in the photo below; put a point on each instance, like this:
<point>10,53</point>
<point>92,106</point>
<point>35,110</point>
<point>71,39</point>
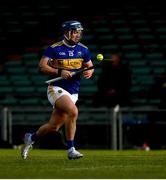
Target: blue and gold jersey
<point>71,58</point>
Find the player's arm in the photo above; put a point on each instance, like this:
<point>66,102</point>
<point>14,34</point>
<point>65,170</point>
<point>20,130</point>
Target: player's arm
<point>89,73</point>
<point>45,68</point>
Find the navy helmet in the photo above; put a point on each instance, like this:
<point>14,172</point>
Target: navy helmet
<point>72,25</point>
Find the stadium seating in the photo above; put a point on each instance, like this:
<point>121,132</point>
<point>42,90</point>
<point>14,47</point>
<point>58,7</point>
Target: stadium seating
<point>136,33</point>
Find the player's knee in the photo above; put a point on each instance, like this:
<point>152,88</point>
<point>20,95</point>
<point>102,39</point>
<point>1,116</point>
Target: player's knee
<point>73,112</point>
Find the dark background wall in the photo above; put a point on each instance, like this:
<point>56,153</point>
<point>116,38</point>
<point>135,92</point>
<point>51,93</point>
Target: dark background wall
<point>29,26</point>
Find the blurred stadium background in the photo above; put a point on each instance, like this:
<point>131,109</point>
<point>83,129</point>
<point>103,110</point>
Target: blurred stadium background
<point>137,29</point>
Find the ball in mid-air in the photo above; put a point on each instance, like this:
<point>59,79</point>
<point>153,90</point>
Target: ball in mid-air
<point>100,57</point>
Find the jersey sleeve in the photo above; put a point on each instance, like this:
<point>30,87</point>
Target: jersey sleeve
<point>87,55</point>
<point>48,52</point>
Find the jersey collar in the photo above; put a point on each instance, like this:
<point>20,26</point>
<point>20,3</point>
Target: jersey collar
<point>68,44</point>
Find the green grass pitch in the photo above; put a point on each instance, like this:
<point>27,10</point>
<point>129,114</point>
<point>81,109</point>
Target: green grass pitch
<point>53,164</point>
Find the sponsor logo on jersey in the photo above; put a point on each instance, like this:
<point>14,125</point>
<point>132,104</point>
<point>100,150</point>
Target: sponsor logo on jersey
<point>62,53</point>
<point>74,63</point>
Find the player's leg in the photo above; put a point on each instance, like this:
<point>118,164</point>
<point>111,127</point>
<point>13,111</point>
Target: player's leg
<point>66,111</point>
<point>66,104</point>
<point>57,119</point>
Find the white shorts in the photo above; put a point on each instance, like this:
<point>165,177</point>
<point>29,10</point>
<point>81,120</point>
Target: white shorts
<point>55,92</point>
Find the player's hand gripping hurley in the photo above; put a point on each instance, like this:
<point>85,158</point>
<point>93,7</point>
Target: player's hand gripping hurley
<point>99,58</point>
<point>73,73</point>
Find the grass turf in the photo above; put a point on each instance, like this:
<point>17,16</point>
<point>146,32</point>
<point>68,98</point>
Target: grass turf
<point>53,164</point>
